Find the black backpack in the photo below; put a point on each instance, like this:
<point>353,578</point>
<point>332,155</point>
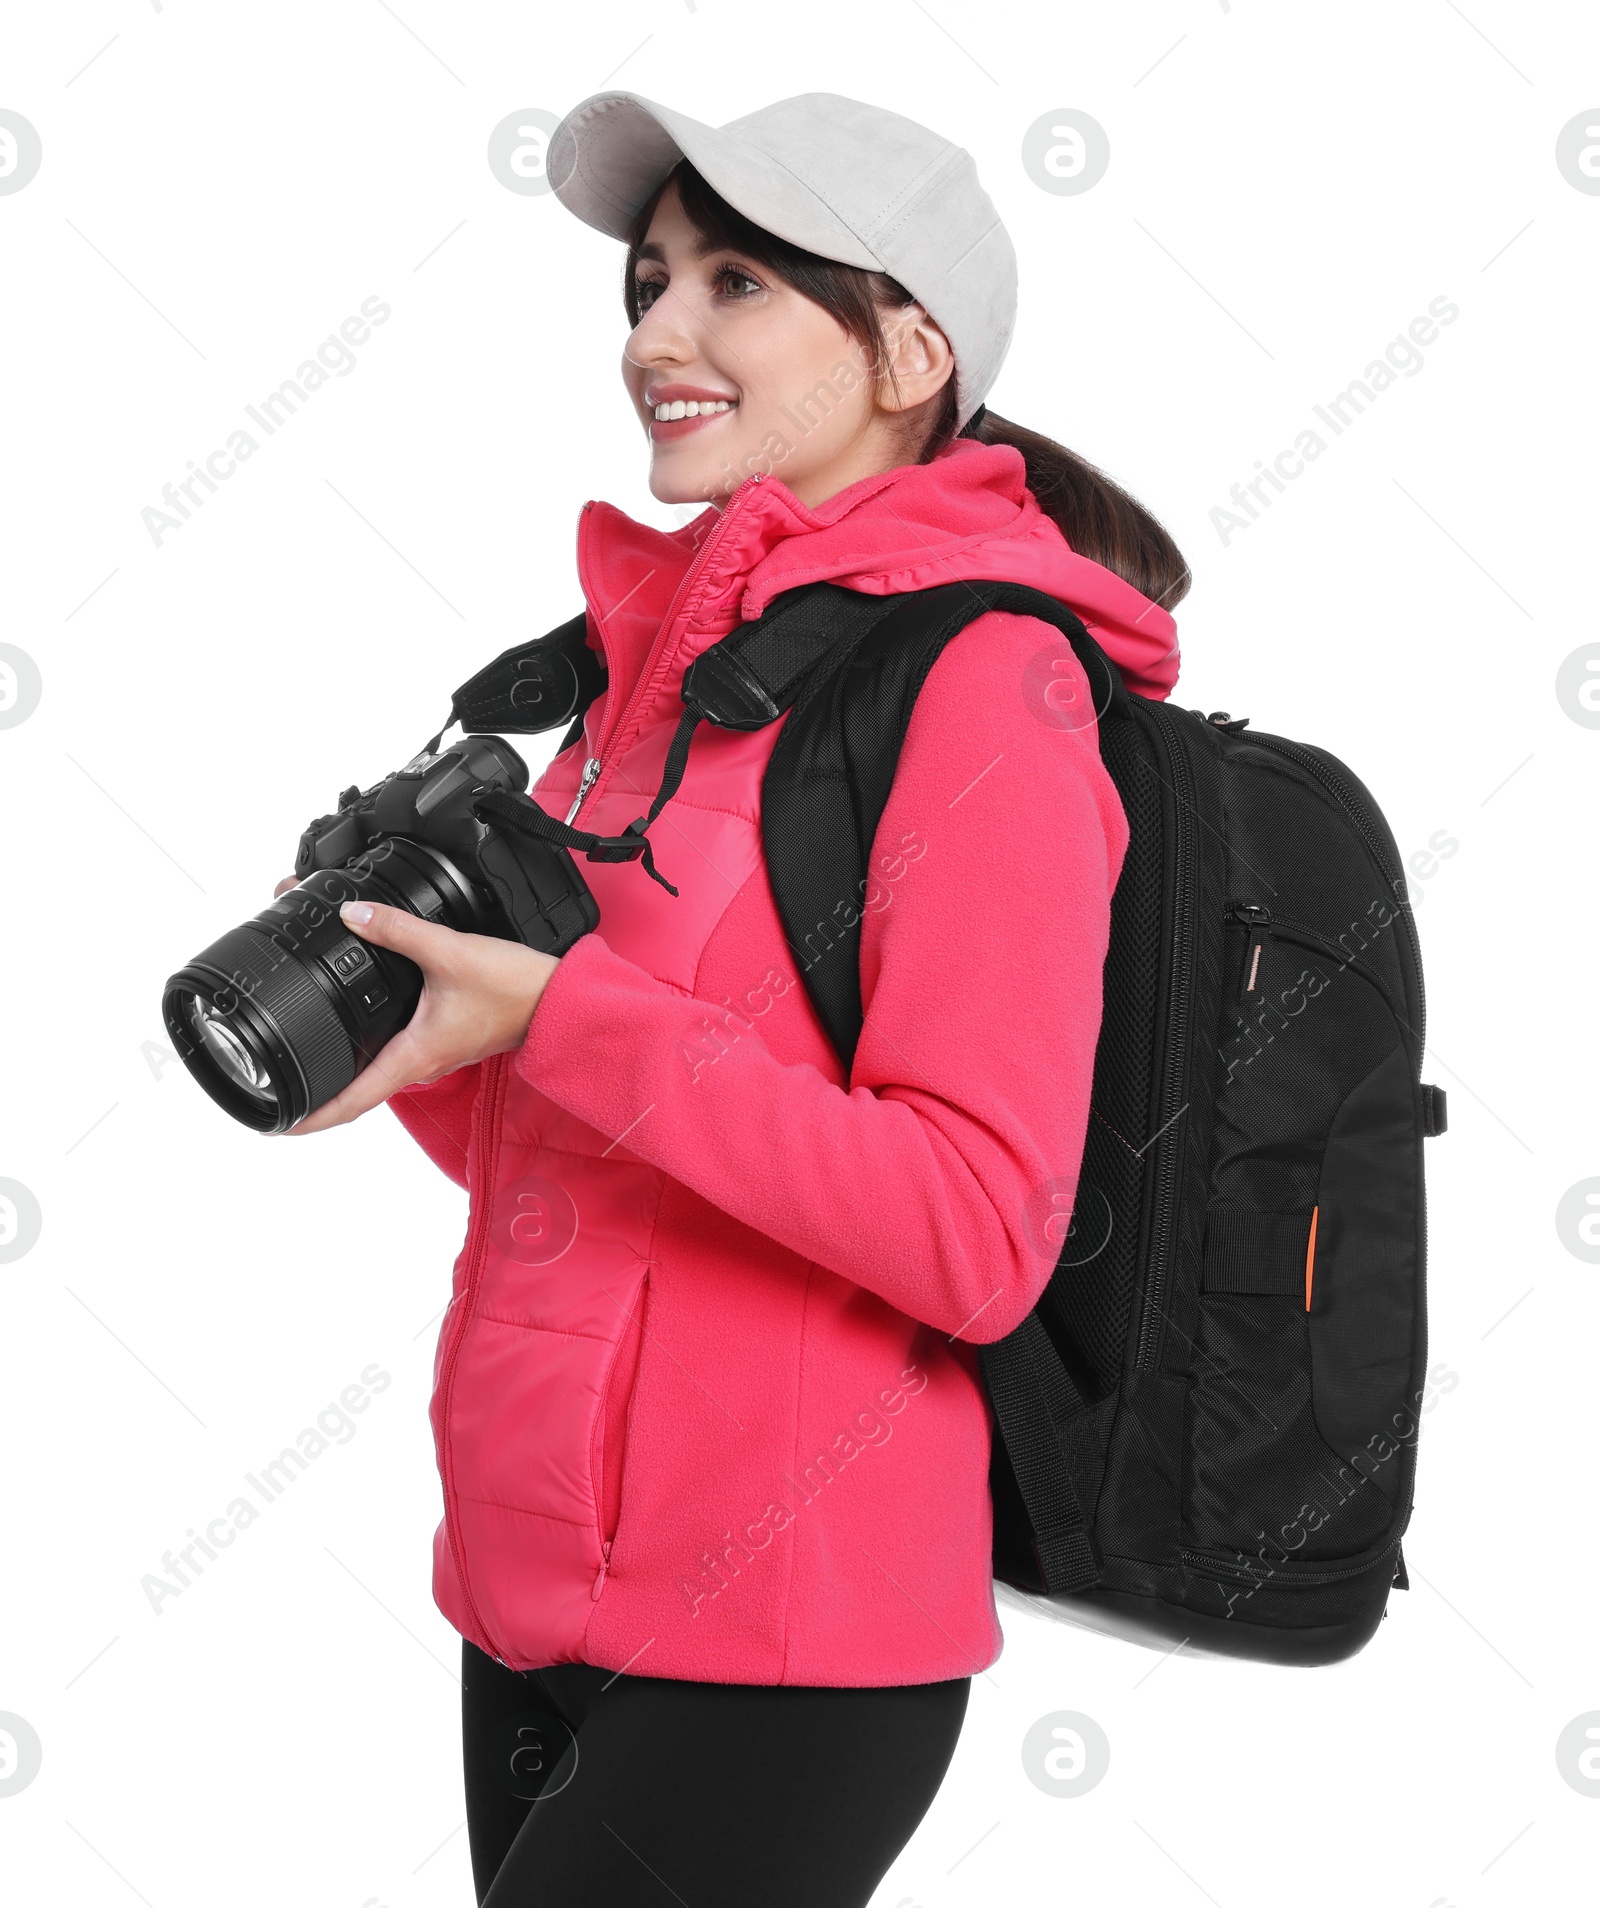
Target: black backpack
<point>1206,1429</point>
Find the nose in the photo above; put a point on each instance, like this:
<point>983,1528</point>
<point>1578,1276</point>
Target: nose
<point>664,334</point>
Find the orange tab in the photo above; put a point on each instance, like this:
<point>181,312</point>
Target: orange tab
<point>1311,1255</point>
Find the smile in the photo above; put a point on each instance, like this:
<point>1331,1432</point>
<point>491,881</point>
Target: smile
<point>689,407</point>
<point>677,409</point>
<point>683,416</point>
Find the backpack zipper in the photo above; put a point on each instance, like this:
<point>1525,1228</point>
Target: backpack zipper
<point>1246,1573</point>
<point>1263,923</point>
<point>1356,808</point>
<point>1169,1160</point>
<point>596,763</point>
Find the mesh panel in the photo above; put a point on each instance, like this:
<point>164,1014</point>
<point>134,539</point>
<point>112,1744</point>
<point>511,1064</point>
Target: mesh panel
<point>1090,1304</point>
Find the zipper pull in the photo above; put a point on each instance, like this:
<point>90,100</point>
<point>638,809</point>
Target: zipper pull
<point>591,769</point>
<point>1258,919</point>
<point>605,1565</point>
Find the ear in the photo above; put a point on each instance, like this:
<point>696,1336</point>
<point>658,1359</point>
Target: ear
<point>918,361</point>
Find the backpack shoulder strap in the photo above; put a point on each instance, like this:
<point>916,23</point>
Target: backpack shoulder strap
<point>826,786</point>
<point>828,779</point>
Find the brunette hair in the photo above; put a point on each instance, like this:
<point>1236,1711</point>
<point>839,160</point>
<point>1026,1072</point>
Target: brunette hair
<point>1094,513</point>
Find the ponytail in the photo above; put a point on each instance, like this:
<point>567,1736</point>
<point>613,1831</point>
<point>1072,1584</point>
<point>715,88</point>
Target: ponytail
<point>1091,510</point>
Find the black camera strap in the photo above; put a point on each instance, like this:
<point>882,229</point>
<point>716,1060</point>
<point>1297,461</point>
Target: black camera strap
<point>750,678</point>
<point>531,687</point>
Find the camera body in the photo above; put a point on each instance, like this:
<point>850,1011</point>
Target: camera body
<point>281,1013</point>
<point>528,890</point>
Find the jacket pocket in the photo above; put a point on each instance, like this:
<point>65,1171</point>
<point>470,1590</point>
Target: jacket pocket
<point>608,1447</point>
<point>1306,1316</point>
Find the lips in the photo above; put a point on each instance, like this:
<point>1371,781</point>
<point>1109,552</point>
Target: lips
<point>685,393</point>
<point>688,407</point>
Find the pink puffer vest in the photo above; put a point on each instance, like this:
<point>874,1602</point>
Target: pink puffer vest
<point>706,1402</point>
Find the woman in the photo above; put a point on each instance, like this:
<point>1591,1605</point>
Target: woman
<point>713,1442</point>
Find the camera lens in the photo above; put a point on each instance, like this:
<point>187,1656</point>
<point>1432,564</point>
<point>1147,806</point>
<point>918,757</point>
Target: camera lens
<point>281,1013</point>
<point>224,1046</point>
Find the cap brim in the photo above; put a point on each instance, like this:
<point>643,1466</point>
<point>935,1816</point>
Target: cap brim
<point>613,150</point>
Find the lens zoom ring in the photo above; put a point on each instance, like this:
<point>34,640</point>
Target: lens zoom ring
<point>284,990</point>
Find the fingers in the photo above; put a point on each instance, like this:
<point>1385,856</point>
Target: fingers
<point>424,942</point>
<point>396,1066</point>
<point>283,887</point>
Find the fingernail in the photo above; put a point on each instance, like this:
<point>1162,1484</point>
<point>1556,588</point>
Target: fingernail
<point>356,913</point>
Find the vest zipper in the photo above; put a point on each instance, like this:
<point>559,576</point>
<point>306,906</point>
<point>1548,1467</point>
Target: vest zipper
<point>591,769</point>
<point>666,641</point>
<point>490,1096</point>
<point>605,1565</point>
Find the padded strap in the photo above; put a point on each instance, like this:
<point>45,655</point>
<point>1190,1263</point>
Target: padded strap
<point>1053,1449</point>
<point>531,687</point>
<point>1260,1252</point>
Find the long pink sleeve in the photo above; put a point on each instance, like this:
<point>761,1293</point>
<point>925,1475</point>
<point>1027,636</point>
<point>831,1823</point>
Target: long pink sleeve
<point>439,1117</point>
<point>931,1179</point>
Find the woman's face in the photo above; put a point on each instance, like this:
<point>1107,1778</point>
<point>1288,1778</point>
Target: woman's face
<point>778,385</point>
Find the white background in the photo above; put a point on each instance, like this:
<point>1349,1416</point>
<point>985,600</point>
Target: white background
<point>221,187</point>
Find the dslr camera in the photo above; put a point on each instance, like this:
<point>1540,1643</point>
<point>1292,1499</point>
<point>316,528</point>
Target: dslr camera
<point>282,1013</point>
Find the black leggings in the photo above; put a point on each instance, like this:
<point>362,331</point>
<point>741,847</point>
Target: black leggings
<point>587,1788</point>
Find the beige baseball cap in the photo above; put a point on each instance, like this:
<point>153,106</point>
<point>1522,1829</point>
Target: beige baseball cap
<point>848,181</point>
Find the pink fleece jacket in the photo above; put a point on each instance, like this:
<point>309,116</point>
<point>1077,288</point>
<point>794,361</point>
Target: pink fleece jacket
<point>706,1400</point>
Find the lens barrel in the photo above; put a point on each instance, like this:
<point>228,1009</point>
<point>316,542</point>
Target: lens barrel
<point>280,1014</point>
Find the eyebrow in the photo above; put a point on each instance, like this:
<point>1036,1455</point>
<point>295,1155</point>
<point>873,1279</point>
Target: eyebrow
<point>703,248</point>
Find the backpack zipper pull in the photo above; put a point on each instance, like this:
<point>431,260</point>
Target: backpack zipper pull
<point>1258,919</point>
<point>591,769</point>
<point>605,1565</point>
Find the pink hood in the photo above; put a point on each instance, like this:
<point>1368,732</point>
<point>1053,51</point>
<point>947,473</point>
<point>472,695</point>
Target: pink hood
<point>968,515</point>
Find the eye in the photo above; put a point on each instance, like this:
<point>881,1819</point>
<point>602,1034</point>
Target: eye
<point>734,281</point>
<point>646,291</point>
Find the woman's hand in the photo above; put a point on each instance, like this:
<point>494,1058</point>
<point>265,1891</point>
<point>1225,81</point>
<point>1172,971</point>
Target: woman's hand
<point>478,995</point>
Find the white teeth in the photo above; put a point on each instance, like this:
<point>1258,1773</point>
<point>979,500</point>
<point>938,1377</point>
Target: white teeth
<point>690,407</point>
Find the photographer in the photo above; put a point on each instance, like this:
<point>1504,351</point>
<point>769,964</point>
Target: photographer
<point>714,1449</point>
